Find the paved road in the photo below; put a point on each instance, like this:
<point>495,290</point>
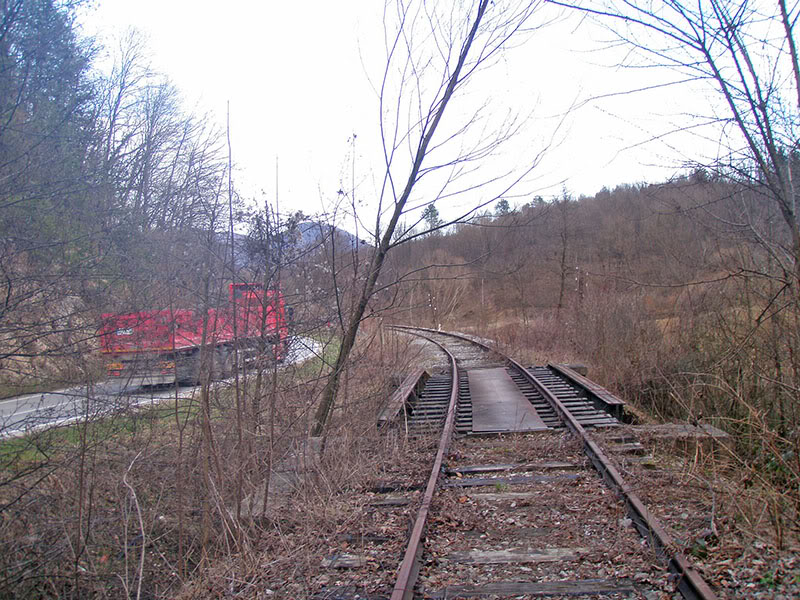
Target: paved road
<point>34,411</point>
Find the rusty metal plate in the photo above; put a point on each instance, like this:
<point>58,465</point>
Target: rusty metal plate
<point>498,405</point>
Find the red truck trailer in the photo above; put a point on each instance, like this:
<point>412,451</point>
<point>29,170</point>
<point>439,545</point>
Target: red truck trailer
<point>157,347</point>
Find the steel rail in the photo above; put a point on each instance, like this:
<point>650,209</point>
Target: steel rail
<point>409,568</point>
<point>690,583</point>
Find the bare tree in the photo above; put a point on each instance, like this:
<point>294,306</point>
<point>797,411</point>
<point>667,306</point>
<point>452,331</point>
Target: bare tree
<point>563,205</point>
<point>743,347</point>
<point>434,52</point>
<point>746,50</point>
<point>158,161</point>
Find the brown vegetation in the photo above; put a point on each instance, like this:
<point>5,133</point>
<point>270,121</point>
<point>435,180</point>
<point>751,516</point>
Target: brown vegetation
<point>670,293</point>
<point>126,506</point>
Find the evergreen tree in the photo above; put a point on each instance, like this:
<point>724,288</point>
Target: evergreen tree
<point>431,217</point>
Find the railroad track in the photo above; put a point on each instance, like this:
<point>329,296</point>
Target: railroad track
<point>426,411</point>
<point>525,514</point>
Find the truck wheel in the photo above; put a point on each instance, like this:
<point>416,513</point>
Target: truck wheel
<point>189,369</point>
<point>226,362</point>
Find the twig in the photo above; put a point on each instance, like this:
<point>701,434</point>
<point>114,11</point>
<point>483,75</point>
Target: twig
<point>141,526</point>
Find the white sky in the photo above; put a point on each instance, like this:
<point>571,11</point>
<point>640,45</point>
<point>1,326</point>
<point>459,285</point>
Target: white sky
<point>297,79</point>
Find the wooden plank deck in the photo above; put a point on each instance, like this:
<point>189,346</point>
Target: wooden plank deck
<point>412,384</point>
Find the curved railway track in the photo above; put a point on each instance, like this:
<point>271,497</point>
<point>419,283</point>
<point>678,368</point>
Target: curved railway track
<point>558,533</point>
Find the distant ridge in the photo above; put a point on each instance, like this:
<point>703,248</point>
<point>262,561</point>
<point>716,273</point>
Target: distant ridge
<point>304,236</point>
<point>312,232</point>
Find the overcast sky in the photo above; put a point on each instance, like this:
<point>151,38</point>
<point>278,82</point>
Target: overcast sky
<point>299,80</point>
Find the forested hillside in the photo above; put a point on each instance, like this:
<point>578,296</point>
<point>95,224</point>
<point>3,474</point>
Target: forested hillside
<point>680,295</point>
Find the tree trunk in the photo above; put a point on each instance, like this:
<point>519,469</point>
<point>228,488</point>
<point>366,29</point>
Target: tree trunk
<point>325,408</point>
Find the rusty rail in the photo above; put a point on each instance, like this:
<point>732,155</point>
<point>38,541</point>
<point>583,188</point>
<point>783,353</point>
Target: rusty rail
<point>409,568</point>
<point>690,584</point>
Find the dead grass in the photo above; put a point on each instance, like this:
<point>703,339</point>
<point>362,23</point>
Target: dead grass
<point>720,519</point>
<point>106,514</point>
<point>134,503</point>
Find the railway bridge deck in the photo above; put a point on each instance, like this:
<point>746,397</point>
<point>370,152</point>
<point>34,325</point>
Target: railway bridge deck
<point>498,405</point>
